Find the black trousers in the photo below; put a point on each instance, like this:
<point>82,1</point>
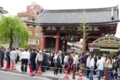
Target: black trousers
<point>60,68</point>
<point>24,65</point>
<point>1,63</point>
<point>57,67</point>
<point>88,71</point>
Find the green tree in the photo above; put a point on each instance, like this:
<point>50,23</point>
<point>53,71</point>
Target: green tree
<point>84,28</point>
<point>11,26</point>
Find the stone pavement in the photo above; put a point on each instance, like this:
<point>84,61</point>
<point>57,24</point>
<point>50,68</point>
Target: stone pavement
<point>51,74</point>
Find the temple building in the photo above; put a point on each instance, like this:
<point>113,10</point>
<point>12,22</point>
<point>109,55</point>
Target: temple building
<point>62,26</point>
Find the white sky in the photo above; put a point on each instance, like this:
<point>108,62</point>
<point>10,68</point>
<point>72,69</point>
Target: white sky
<point>15,6</point>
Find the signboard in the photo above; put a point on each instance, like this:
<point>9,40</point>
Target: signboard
<point>71,37</point>
<point>71,29</point>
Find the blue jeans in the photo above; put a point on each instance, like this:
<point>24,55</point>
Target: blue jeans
<point>97,71</point>
<point>110,74</point>
<point>116,73</point>
<point>91,73</point>
<point>47,66</point>
<point>100,74</point>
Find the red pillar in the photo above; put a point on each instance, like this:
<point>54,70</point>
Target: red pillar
<point>43,41</point>
<point>57,42</point>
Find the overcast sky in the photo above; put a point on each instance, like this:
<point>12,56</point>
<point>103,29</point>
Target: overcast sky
<point>15,6</point>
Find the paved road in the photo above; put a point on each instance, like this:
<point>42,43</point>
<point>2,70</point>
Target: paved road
<point>49,74</point>
<point>13,76</point>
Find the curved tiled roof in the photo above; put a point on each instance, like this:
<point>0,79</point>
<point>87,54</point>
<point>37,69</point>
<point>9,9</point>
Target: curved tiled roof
<point>3,11</point>
<point>74,16</point>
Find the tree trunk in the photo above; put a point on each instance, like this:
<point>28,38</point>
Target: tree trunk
<point>11,40</point>
<point>84,35</point>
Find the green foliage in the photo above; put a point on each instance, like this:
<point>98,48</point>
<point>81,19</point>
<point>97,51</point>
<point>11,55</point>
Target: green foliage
<point>96,51</point>
<point>113,53</point>
<point>11,26</point>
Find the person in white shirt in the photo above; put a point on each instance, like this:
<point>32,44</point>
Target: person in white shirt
<point>92,63</point>
<point>88,65</point>
<point>109,65</point>
<point>13,57</point>
<point>24,58</point>
<point>39,59</point>
<point>100,67</point>
<point>66,60</point>
<point>75,59</point>
<point>104,60</point>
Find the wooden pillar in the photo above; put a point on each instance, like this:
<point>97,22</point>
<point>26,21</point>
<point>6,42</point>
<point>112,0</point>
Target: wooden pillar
<point>43,41</point>
<point>57,42</point>
<point>65,46</point>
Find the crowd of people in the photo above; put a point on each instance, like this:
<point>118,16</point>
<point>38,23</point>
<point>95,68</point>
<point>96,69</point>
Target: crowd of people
<point>59,62</point>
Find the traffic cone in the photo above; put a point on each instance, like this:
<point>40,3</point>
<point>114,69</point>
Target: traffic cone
<point>80,75</point>
<point>12,67</point>
<point>66,75</point>
<point>7,65</point>
<point>39,70</point>
<point>31,71</point>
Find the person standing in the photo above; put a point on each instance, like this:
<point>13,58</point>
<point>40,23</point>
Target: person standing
<point>8,57</point>
<point>88,65</point>
<point>18,57</point>
<point>13,57</point>
<point>83,63</point>
<point>1,57</point>
<point>100,67</point>
<point>25,56</point>
<point>57,63</point>
<point>32,59</point>
<point>75,61</point>
<point>109,65</point>
<point>38,60</point>
<point>66,61</point>
<point>44,61</point>
<point>61,56</point>
<point>92,63</point>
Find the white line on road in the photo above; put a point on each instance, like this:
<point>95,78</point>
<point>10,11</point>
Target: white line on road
<point>25,75</point>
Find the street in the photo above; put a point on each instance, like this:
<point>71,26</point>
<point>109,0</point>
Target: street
<point>13,76</point>
<point>48,75</point>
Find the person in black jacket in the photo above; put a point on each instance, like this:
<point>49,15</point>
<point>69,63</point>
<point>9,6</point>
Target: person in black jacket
<point>1,57</point>
<point>44,61</point>
<point>32,59</point>
<point>8,57</point>
<point>61,61</point>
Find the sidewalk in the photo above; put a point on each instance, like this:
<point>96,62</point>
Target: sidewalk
<point>50,74</point>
